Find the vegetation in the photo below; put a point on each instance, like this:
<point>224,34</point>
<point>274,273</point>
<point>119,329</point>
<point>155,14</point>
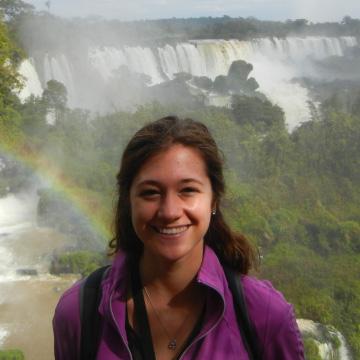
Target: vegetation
<point>78,262</point>
<point>10,82</point>
<point>295,195</point>
<point>158,32</point>
<point>311,350</point>
<point>11,355</point>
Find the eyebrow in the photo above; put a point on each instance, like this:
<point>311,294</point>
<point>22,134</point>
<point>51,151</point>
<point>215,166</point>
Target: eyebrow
<point>157,183</point>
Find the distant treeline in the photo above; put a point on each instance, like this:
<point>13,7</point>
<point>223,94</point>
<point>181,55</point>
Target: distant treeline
<point>46,31</point>
<point>160,32</point>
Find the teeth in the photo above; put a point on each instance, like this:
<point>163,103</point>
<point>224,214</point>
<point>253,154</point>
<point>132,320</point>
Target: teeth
<point>172,231</point>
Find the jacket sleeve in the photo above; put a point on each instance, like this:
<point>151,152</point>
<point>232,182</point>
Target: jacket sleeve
<point>66,326</point>
<point>285,342</point>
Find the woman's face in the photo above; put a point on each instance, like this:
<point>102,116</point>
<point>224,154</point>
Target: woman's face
<point>171,200</point>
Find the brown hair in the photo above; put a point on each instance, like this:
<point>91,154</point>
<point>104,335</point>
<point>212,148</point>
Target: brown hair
<point>232,249</point>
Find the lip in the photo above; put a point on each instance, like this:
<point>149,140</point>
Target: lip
<point>182,230</point>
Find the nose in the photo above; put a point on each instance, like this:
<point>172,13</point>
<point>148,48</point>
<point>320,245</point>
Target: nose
<point>170,207</point>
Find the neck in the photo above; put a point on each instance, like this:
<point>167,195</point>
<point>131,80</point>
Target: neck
<point>170,278</point>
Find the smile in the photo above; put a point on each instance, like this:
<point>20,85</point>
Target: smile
<point>172,230</point>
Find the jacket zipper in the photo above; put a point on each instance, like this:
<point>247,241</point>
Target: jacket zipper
<point>118,328</point>
<point>211,329</point>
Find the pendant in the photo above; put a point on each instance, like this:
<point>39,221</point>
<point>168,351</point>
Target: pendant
<point>172,344</point>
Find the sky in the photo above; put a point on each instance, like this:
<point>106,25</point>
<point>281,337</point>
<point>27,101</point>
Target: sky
<point>313,10</point>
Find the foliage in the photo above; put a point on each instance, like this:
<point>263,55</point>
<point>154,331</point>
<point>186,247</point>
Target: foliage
<point>261,114</point>
<point>78,262</point>
<point>311,350</point>
<point>165,31</point>
<point>13,8</point>
<point>294,195</point>
<point>10,82</point>
<point>11,355</point>
<point>10,57</point>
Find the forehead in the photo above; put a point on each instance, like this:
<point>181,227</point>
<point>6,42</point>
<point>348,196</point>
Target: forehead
<point>176,163</point>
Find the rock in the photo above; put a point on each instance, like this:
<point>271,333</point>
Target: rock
<point>31,272</point>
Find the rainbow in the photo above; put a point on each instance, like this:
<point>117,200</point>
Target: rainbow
<point>87,204</point>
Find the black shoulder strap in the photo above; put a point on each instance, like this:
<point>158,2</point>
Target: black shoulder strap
<point>90,296</point>
<point>247,330</point>
<point>141,317</point>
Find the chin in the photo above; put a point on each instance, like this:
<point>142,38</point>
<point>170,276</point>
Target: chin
<point>176,252</point>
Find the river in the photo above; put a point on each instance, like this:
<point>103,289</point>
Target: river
<point>27,302</point>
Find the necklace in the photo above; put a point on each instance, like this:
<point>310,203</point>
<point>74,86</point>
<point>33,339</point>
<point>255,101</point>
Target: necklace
<point>172,344</point>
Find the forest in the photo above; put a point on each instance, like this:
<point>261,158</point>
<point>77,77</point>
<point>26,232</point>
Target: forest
<point>295,195</point>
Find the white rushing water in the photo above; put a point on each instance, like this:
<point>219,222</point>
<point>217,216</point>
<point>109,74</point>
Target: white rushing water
<point>276,63</point>
<point>3,335</point>
<point>31,80</point>
<point>320,334</point>
<point>28,293</point>
<point>17,214</point>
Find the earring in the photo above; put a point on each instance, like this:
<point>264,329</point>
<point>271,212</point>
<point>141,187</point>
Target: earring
<point>213,212</point>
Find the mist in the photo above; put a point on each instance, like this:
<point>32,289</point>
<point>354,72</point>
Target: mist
<point>281,97</point>
<point>319,11</point>
<point>110,66</point>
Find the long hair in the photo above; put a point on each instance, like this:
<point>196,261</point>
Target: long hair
<point>233,249</point>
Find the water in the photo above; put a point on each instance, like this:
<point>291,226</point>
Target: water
<point>17,213</point>
<point>320,333</point>
<point>3,334</point>
<point>276,63</point>
<point>27,302</point>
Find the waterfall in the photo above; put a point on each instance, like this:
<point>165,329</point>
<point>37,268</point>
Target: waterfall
<point>18,213</point>
<point>3,335</point>
<point>322,335</point>
<point>276,62</point>
<point>31,80</point>
<point>58,68</point>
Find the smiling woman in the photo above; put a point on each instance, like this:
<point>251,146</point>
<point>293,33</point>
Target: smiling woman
<point>166,295</point>
<point>171,201</point>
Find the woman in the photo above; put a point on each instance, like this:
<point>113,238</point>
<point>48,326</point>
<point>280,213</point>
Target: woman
<point>166,295</point>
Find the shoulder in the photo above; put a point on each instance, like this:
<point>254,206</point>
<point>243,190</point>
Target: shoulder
<point>66,324</point>
<point>68,307</point>
<point>273,318</point>
<point>264,300</point>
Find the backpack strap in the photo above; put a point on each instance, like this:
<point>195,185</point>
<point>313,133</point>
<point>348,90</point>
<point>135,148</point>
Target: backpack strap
<point>247,330</point>
<point>90,297</point>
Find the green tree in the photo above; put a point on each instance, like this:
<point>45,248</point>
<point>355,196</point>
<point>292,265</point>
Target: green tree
<point>10,82</point>
<point>54,98</point>
<point>11,355</point>
<point>261,114</point>
<point>311,350</point>
<point>10,57</point>
<point>12,8</point>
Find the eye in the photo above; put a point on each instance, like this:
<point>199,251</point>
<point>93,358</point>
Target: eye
<point>149,193</point>
<point>189,190</point>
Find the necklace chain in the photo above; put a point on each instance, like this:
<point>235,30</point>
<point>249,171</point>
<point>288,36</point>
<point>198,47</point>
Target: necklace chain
<point>172,344</point>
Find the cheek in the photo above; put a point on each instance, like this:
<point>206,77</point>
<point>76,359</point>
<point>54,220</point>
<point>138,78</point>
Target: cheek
<point>141,212</point>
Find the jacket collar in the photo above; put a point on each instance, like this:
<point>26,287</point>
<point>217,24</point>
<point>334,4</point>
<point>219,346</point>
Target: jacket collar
<point>210,274</point>
<point>114,289</point>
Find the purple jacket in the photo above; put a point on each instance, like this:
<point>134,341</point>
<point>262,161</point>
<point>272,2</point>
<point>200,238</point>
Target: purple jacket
<point>219,337</point>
